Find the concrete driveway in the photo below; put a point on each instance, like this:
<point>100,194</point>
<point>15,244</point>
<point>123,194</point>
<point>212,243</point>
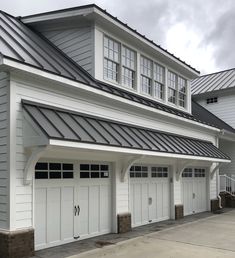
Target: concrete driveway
<point>210,237</point>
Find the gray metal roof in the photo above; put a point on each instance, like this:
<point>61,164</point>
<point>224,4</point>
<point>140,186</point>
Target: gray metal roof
<point>213,82</point>
<point>19,42</point>
<point>66,125</point>
<point>204,115</point>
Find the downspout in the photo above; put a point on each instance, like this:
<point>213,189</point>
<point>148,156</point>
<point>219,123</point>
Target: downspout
<point>217,173</point>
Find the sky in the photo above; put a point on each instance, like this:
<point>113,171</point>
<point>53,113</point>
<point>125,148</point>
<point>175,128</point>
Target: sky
<point>199,32</point>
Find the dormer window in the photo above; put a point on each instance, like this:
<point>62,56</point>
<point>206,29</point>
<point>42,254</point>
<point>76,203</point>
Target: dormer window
<point>111,59</point>
<point>146,69</point>
<point>177,90</point>
<point>182,92</point>
<point>128,67</point>
<point>172,87</point>
<point>158,76</point>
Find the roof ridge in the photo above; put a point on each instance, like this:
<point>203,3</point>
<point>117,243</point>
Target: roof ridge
<point>118,20</point>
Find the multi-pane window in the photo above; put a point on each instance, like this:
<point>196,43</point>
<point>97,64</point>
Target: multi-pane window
<point>45,170</point>
<point>182,91</point>
<point>199,172</point>
<point>128,67</point>
<point>212,100</point>
<point>158,76</point>
<point>177,89</point>
<point>139,171</point>
<point>159,171</point>
<point>111,59</point>
<point>188,172</point>
<point>172,87</point>
<point>94,171</point>
<point>146,69</point>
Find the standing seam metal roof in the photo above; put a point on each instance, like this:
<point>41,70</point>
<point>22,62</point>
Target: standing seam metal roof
<point>70,126</point>
<point>213,82</point>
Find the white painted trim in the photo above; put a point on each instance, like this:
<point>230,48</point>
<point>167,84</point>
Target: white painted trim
<point>87,146</point>
<point>81,86</point>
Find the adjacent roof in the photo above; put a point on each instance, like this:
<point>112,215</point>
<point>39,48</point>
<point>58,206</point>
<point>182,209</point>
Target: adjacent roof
<point>204,115</point>
<point>115,19</point>
<point>214,82</point>
<point>70,126</point>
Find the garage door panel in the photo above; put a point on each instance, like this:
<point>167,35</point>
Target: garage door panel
<point>84,210</point>
<point>166,197</point>
<point>152,207</point>
<point>67,213</point>
<point>53,215</point>
<point>144,203</point>
<point>40,216</point>
<point>159,200</point>
<point>137,204</point>
<point>105,215</point>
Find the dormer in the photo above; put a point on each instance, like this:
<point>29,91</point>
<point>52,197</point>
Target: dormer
<point>116,54</point>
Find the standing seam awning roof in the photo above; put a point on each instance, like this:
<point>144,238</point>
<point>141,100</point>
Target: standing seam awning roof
<point>70,126</point>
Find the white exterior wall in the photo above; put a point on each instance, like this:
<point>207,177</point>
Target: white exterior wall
<point>4,150</point>
<point>224,108</point>
<point>48,93</point>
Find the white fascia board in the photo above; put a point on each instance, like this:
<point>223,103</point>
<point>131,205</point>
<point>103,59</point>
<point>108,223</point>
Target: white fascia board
<point>97,147</point>
<point>58,15</point>
<point>79,85</point>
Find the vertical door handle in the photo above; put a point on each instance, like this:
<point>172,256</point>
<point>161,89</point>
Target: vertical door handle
<point>78,210</point>
<point>75,210</point>
<point>194,195</point>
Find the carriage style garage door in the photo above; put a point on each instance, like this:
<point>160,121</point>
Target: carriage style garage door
<point>149,194</point>
<point>194,190</point>
<point>70,205</point>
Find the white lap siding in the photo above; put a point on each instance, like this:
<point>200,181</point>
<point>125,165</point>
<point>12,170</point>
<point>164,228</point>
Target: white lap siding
<point>4,175</point>
<point>77,43</point>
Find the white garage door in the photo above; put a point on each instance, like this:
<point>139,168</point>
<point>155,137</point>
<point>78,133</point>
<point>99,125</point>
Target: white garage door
<point>149,194</point>
<point>69,206</point>
<point>194,190</point>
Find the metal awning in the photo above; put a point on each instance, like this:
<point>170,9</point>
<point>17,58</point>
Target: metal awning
<point>65,125</point>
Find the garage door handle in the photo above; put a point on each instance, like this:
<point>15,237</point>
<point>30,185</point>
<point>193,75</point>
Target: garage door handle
<point>78,210</point>
<point>75,210</point>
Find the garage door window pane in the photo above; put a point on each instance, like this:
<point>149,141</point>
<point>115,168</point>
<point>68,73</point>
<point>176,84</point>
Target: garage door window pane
<point>67,174</point>
<point>188,172</point>
<point>45,170</point>
<point>159,171</point>
<point>55,175</point>
<point>41,175</point>
<point>67,166</point>
<point>41,166</point>
<point>55,166</point>
<point>139,171</point>
<point>94,171</point>
<point>199,172</point>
